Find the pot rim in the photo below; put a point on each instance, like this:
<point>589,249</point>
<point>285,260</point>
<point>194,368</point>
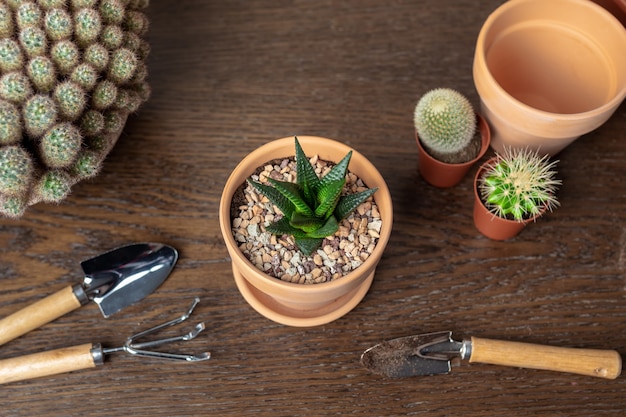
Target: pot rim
<point>285,147</point>
<point>480,59</point>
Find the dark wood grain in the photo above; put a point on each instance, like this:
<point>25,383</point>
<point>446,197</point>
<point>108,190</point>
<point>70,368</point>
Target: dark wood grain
<point>229,76</point>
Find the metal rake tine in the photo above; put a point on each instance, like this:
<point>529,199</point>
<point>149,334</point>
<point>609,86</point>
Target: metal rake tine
<point>139,348</point>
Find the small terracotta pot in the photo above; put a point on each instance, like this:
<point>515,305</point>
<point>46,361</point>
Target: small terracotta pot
<point>548,72</point>
<point>445,175</point>
<point>486,222</point>
<point>304,305</point>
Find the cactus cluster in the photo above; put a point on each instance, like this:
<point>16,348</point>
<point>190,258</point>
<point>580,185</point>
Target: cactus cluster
<point>445,122</point>
<point>519,184</point>
<point>71,71</point>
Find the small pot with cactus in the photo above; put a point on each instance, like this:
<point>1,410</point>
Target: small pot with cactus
<point>305,230</point>
<point>450,136</point>
<point>71,71</point>
<point>513,189</point>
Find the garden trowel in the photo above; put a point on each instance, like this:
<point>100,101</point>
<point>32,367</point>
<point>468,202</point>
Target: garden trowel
<point>113,280</point>
<point>435,353</point>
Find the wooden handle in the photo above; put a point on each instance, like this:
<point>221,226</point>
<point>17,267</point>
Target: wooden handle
<point>591,362</point>
<point>47,363</point>
<point>38,314</point>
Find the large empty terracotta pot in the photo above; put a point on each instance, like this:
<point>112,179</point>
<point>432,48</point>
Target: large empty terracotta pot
<point>548,72</point>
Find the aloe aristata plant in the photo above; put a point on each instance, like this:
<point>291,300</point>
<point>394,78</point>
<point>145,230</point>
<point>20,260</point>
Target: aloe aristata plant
<point>312,207</point>
<point>519,184</point>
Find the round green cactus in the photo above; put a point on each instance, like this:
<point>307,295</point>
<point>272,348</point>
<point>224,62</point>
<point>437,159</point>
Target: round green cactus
<point>87,25</point>
<point>52,187</point>
<point>33,41</point>
<point>60,145</point>
<point>15,87</point>
<point>39,114</point>
<point>519,184</point>
<point>71,99</point>
<point>58,24</point>
<point>71,71</point>
<point>445,121</point>
<point>16,170</point>
<point>6,21</point>
<point>87,165</point>
<point>11,57</point>
<point>66,55</point>
<point>10,124</point>
<point>28,14</point>
<point>42,73</point>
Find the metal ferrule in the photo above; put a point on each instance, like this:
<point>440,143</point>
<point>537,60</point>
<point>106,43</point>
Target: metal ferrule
<point>80,294</point>
<point>97,353</point>
<point>466,349</point>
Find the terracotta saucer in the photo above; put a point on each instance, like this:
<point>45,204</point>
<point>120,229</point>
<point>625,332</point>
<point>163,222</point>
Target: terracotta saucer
<point>271,309</point>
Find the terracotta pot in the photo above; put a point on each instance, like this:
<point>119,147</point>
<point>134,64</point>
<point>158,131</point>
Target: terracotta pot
<point>548,72</point>
<point>299,304</point>
<point>616,7</point>
<point>486,222</point>
<point>444,175</point>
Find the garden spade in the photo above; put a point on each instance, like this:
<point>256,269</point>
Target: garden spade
<point>113,280</point>
<point>435,353</point>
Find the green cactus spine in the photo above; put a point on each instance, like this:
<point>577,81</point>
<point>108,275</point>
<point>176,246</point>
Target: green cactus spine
<point>16,170</point>
<point>519,184</point>
<point>445,121</point>
<point>112,37</point>
<point>10,124</point>
<point>39,114</point>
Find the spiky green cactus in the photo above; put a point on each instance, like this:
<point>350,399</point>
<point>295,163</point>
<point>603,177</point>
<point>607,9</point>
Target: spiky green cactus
<point>15,87</point>
<point>58,24</point>
<point>52,187</point>
<point>445,121</point>
<point>11,57</point>
<point>60,145</point>
<point>42,73</point>
<point>519,184</point>
<point>71,71</point>
<point>312,207</point>
<point>71,99</point>
<point>16,170</point>
<point>10,124</point>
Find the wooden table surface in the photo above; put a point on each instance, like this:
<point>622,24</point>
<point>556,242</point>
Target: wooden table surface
<point>229,76</point>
